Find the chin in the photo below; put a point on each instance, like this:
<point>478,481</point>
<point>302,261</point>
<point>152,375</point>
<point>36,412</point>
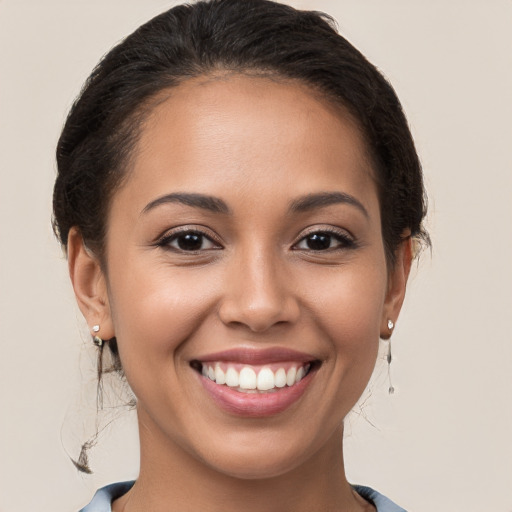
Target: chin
<point>257,467</point>
<point>269,456</point>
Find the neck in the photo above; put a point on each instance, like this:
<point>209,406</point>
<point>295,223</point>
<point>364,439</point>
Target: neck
<point>171,479</point>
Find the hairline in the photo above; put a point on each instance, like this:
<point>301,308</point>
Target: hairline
<point>141,116</point>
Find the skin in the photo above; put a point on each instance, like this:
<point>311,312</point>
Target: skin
<point>258,145</point>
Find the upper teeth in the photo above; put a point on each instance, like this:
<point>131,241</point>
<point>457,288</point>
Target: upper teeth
<point>250,378</point>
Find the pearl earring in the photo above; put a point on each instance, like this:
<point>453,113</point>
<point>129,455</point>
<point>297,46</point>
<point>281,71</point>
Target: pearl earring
<point>96,339</point>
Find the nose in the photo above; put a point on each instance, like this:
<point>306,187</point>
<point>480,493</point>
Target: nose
<point>258,294</point>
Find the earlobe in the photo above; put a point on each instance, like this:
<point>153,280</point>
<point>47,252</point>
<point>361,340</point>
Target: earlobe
<point>397,284</point>
<point>89,284</point>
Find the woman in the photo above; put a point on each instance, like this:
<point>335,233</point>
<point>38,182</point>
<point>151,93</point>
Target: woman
<point>239,197</point>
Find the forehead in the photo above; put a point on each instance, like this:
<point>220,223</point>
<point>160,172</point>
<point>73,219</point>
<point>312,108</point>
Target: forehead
<point>224,133</point>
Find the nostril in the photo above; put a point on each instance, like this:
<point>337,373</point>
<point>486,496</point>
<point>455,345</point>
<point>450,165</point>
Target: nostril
<point>258,318</point>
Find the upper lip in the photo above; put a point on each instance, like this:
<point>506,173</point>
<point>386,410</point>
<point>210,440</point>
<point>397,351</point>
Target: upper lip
<point>257,356</point>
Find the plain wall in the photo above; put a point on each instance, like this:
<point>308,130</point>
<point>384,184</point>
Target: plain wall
<point>442,442</point>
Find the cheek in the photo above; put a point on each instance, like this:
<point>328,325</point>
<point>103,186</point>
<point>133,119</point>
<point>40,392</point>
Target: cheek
<point>351,303</point>
<point>353,328</point>
<point>155,312</point>
<point>348,309</point>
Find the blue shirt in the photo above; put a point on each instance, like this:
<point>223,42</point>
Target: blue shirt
<point>106,495</point>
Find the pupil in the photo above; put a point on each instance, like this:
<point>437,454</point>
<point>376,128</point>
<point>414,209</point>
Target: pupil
<point>319,241</point>
<point>190,242</point>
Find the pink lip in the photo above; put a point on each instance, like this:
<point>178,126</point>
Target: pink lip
<point>257,356</point>
<point>254,405</point>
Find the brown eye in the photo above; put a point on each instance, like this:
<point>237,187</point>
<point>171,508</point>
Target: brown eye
<point>188,241</point>
<point>318,241</point>
<point>323,241</point>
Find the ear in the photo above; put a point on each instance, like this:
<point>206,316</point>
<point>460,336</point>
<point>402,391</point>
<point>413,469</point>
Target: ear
<point>90,286</point>
<point>397,282</point>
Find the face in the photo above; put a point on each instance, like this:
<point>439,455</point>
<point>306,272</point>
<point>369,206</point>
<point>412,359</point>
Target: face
<point>246,279</point>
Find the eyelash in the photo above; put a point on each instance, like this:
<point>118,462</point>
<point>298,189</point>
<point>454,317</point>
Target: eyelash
<point>166,240</point>
<point>344,240</point>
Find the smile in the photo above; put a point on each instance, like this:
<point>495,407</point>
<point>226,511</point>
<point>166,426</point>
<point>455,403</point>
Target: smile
<point>255,379</point>
<point>255,383</point>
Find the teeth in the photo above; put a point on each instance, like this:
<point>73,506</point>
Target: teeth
<point>280,378</point>
<point>232,378</point>
<point>290,376</point>
<point>249,379</point>
<point>220,376</point>
<point>266,379</point>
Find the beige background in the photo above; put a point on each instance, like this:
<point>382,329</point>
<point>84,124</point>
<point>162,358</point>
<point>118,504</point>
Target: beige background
<point>443,442</point>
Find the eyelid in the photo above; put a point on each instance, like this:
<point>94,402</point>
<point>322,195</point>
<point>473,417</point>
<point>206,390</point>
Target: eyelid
<point>342,234</point>
<point>164,238</point>
<point>335,231</point>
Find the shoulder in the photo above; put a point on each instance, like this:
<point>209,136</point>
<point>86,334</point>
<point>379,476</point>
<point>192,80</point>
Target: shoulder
<point>382,504</point>
<point>103,498</point>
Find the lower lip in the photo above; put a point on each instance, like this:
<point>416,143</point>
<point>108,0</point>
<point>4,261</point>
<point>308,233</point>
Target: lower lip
<point>255,405</point>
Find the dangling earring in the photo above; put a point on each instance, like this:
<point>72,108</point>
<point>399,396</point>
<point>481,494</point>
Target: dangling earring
<point>389,358</point>
<point>96,339</point>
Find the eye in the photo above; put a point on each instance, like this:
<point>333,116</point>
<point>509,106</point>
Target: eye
<point>324,241</point>
<point>188,241</point>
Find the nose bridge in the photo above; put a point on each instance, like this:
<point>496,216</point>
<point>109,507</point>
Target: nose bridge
<point>258,294</point>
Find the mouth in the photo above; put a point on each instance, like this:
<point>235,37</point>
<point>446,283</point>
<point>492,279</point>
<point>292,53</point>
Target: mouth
<point>255,383</point>
<point>245,378</point>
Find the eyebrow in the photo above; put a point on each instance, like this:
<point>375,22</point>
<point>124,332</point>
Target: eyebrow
<point>216,205</point>
<point>323,199</point>
<point>210,203</point>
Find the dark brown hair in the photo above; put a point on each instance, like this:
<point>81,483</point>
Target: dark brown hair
<point>236,35</point>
